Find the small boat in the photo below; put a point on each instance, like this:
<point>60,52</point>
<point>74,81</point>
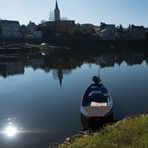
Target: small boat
<point>47,48</point>
<point>17,48</point>
<point>96,102</point>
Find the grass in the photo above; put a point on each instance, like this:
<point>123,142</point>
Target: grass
<point>128,133</point>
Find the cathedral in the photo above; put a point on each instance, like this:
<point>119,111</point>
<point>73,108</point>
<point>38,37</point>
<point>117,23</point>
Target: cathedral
<point>59,25</point>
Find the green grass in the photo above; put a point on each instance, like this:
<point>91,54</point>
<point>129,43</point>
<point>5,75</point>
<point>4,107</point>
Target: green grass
<point>129,133</point>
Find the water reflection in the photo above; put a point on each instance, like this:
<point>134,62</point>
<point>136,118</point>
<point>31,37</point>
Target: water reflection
<point>95,123</point>
<point>29,91</point>
<point>10,131</point>
<point>10,128</point>
<point>61,65</point>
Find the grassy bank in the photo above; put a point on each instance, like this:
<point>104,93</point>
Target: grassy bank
<point>129,133</point>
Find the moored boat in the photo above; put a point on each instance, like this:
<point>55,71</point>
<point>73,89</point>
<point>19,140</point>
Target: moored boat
<point>96,101</point>
<point>17,48</point>
<point>48,49</point>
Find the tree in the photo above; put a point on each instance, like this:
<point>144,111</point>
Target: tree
<point>75,31</point>
<point>47,31</point>
<point>64,18</point>
<point>23,30</point>
<point>0,30</point>
<point>43,21</point>
<point>0,26</point>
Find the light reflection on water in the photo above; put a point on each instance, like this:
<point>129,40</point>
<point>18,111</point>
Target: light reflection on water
<point>9,130</point>
<point>44,93</point>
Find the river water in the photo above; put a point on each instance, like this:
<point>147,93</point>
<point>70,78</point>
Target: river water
<point>40,95</point>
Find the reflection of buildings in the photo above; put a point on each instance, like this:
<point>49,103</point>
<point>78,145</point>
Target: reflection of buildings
<point>14,65</point>
<point>109,60</point>
<point>36,63</point>
<point>58,74</point>
<point>135,58</point>
<point>11,69</point>
<point>61,65</point>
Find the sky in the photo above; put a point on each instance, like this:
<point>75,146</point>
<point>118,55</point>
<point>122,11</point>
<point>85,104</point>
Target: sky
<point>117,12</point>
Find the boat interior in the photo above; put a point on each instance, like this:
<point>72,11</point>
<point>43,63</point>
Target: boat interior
<point>96,96</point>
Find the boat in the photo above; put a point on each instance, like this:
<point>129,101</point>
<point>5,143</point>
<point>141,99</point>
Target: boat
<point>17,48</point>
<point>47,48</point>
<point>96,102</point>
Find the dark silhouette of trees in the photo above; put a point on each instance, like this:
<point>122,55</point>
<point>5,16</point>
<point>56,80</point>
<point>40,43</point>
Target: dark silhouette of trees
<point>23,30</point>
<point>47,30</point>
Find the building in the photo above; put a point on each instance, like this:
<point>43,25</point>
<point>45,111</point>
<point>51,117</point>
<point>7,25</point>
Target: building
<point>64,26</point>
<point>135,32</point>
<point>107,31</point>
<point>10,29</point>
<point>57,26</point>
<point>61,27</point>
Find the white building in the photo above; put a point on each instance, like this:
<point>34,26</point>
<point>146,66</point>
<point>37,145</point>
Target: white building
<point>135,32</point>
<point>10,29</point>
<point>107,31</point>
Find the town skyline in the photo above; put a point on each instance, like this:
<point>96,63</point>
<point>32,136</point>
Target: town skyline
<point>121,12</point>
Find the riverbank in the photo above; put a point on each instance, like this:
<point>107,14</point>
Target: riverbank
<point>86,44</point>
<point>18,48</point>
<point>130,132</point>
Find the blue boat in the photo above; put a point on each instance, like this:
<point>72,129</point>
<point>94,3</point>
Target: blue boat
<point>96,101</point>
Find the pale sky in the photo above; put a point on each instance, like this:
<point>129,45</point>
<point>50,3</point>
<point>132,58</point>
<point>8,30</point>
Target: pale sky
<point>82,11</point>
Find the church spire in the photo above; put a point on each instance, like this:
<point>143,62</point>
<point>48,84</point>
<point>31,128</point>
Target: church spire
<point>57,12</point>
<point>56,7</point>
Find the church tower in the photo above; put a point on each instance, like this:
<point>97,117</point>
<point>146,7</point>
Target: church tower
<point>57,12</point>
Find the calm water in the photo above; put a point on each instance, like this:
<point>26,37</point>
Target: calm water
<point>40,96</point>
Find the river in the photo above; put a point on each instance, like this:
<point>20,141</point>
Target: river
<point>40,95</point>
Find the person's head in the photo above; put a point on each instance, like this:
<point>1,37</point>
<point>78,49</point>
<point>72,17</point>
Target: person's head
<point>96,79</point>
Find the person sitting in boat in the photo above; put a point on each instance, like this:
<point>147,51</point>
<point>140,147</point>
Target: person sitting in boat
<point>96,90</point>
<point>96,80</point>
<point>97,83</point>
